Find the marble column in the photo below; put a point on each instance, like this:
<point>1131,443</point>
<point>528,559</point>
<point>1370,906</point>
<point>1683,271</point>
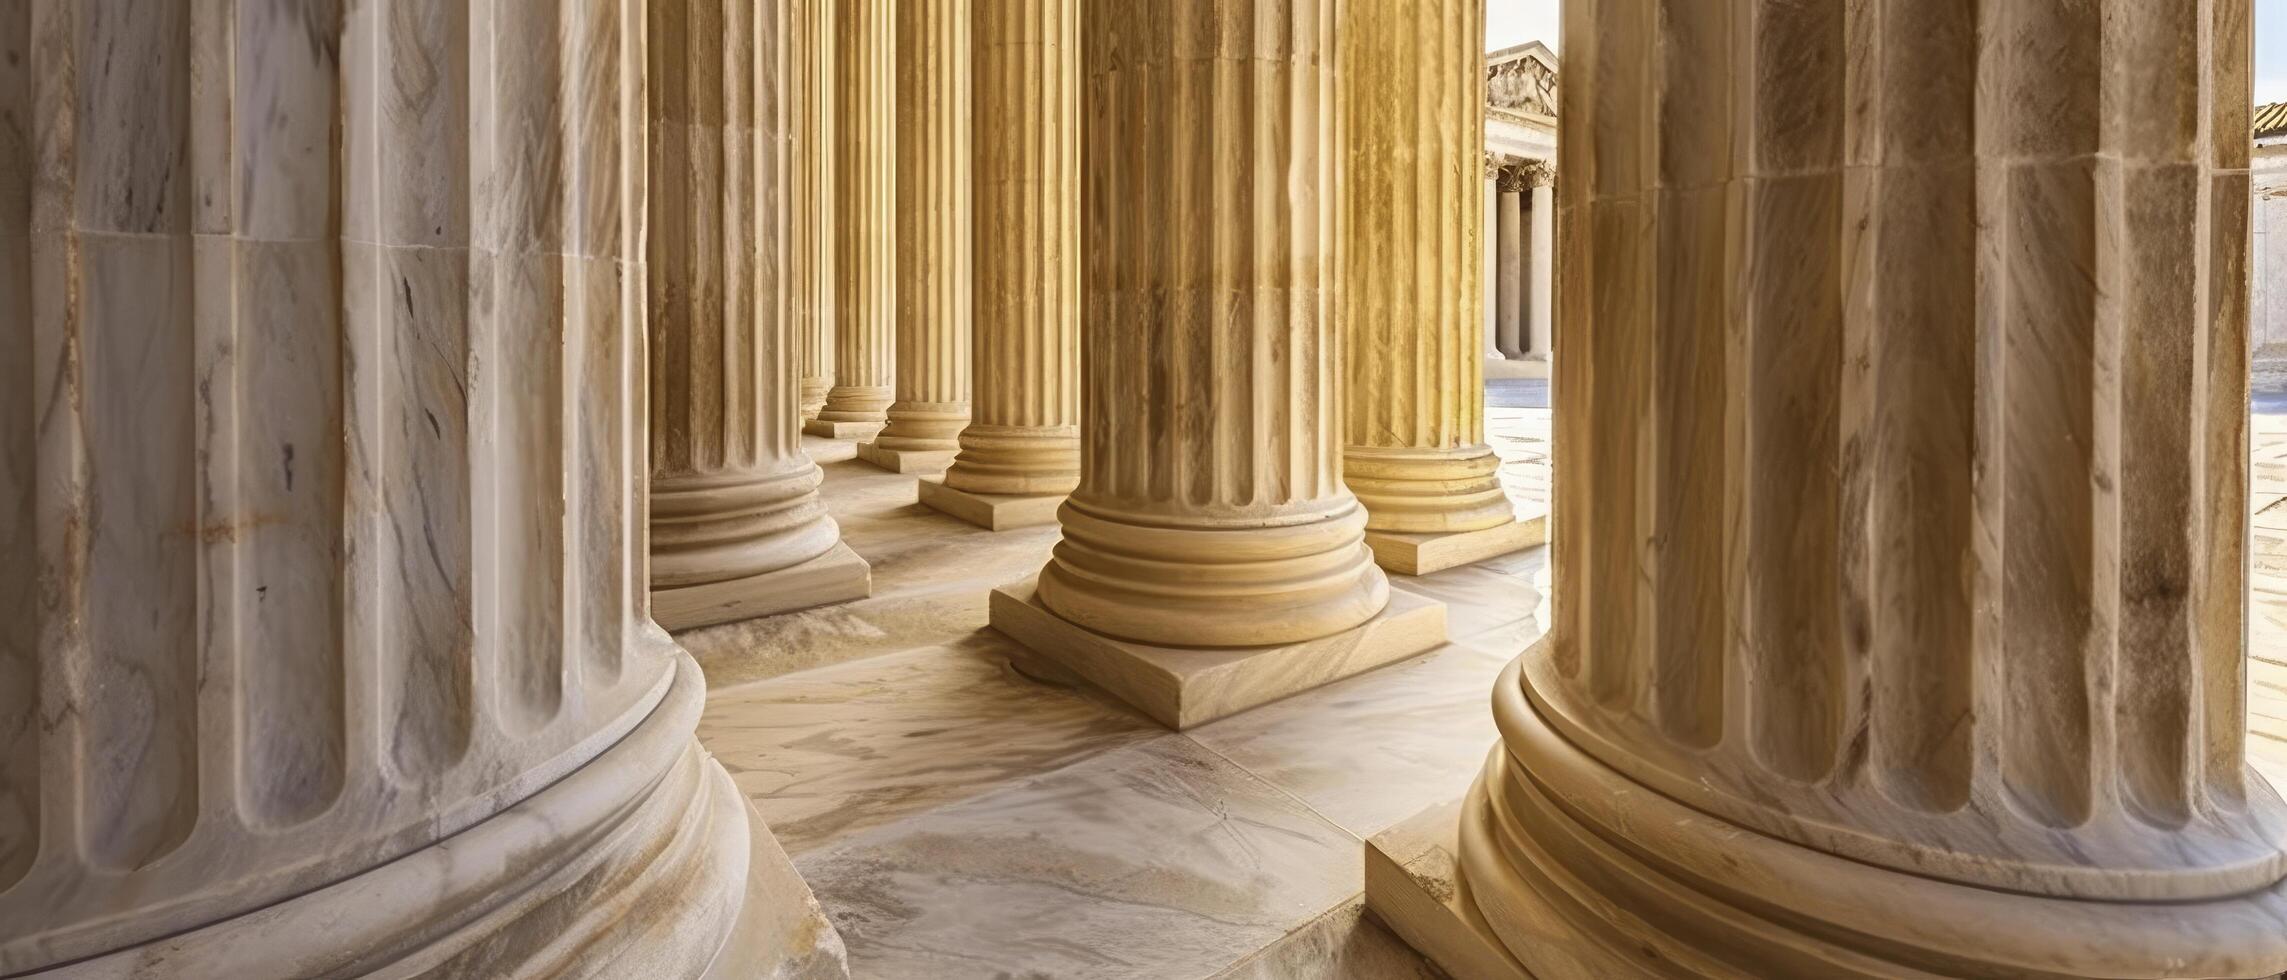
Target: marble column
<point>1211,557</point>
<point>1540,264</point>
<point>810,210</point>
<point>1490,278</point>
<point>865,163</point>
<point>1509,260</point>
<point>322,401</point>
<point>737,529</point>
<point>1902,494</point>
<point>935,271</point>
<point>1020,455</point>
<point>1412,102</point>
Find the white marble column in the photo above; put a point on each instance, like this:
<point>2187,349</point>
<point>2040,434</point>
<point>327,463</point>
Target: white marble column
<point>1211,526</point>
<point>1902,497</point>
<point>1412,104</point>
<point>1020,455</point>
<point>1540,265</point>
<point>935,270</point>
<point>1489,282</point>
<point>810,87</point>
<point>323,410</point>
<point>865,256</point>
<point>737,529</point>
<point>1509,261</point>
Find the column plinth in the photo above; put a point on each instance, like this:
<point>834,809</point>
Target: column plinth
<point>934,250</point>
<point>864,231</point>
<point>1413,116</point>
<point>1210,511</point>
<point>323,480</point>
<point>1020,454</point>
<point>1901,499</point>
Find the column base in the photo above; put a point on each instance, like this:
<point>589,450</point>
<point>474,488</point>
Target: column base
<point>641,863</point>
<point>839,575</point>
<point>1517,367</point>
<point>1421,554</point>
<point>1414,885</point>
<point>1181,687</point>
<point>907,460</point>
<point>841,430</point>
<point>991,511</point>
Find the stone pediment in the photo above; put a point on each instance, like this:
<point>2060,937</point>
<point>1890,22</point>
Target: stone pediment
<point>1522,79</point>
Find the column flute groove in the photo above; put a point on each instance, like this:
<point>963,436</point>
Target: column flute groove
<point>1020,454</point>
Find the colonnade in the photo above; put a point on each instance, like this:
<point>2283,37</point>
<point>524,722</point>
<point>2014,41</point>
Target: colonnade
<point>1520,211</point>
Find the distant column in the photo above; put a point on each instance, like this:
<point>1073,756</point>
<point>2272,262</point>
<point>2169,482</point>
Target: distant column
<point>865,291</point>
<point>1489,253</point>
<point>1509,265</point>
<point>1540,275</point>
<point>811,84</point>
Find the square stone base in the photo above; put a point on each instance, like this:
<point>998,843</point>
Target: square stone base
<point>1181,687</point>
<point>841,430</point>
<point>1530,367</point>
<point>907,460</point>
<point>991,511</point>
<point>1421,554</point>
<point>839,575</point>
<point>822,450</point>
<point>1413,884</point>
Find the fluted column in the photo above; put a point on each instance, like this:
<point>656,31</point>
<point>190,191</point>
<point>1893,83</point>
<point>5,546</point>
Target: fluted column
<point>1902,489</point>
<point>1540,268</point>
<point>1413,121</point>
<point>1490,275</point>
<point>1210,510</point>
<point>323,415</point>
<point>1021,452</point>
<point>1509,244</point>
<point>935,271</point>
<point>737,529</point>
<point>810,87</point>
<point>865,291</point>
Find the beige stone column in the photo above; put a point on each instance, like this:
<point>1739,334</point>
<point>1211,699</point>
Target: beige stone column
<point>322,408</point>
<point>1540,265</point>
<point>1211,558</point>
<point>1021,453</point>
<point>1488,248</point>
<point>935,272</point>
<point>865,166</point>
<point>1509,245</point>
<point>1412,103</point>
<point>1902,494</point>
<point>810,86</point>
<point>737,529</point>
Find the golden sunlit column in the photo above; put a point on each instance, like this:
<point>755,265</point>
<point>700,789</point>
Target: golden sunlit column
<point>1020,455</point>
<point>1413,104</point>
<point>737,529</point>
<point>321,491</point>
<point>1901,495</point>
<point>935,274</point>
<point>1211,558</point>
<point>864,145</point>
<point>810,87</point>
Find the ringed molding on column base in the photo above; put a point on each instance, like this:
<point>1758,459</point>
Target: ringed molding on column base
<point>1414,885</point>
<point>1182,687</point>
<point>907,460</point>
<point>1421,554</point>
<point>841,430</point>
<point>839,575</point>
<point>636,864</point>
<point>991,511</point>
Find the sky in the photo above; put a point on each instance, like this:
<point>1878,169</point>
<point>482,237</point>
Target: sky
<point>1512,22</point>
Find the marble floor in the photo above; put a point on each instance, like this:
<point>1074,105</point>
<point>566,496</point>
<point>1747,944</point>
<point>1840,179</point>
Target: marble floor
<point>959,819</point>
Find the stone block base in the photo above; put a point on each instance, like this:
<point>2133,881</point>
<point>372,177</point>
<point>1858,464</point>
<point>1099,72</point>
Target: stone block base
<point>1421,554</point>
<point>839,575</point>
<point>907,460</point>
<point>823,450</point>
<point>1181,687</point>
<point>1414,885</point>
<point>991,511</point>
<point>841,430</point>
<point>1527,367</point>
